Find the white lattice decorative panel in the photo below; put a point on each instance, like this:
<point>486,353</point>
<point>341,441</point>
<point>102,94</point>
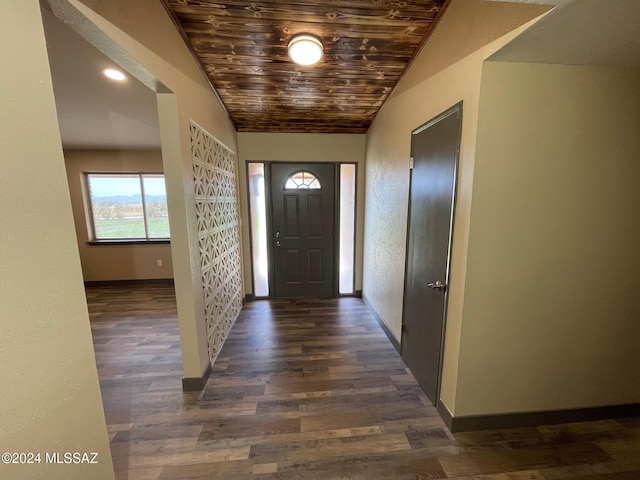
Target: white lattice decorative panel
<point>214,175</point>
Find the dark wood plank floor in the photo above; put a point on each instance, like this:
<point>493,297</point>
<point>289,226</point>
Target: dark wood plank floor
<point>308,390</point>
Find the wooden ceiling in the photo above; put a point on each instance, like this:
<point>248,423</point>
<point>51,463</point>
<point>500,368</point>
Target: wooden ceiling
<point>242,48</point>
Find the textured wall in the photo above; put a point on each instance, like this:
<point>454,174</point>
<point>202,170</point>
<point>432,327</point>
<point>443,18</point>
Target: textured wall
<point>216,197</point>
<point>551,309</point>
<point>421,95</point>
<point>113,262</point>
<point>50,396</point>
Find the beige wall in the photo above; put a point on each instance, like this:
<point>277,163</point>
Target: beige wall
<point>296,147</point>
<point>113,262</point>
<point>444,74</point>
<point>142,37</point>
<point>551,300</point>
<point>50,396</point>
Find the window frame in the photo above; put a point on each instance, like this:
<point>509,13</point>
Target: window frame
<point>303,185</point>
<point>89,207</point>
<point>354,255</point>
<point>258,240</point>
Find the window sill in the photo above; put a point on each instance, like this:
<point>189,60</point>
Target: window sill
<point>130,242</point>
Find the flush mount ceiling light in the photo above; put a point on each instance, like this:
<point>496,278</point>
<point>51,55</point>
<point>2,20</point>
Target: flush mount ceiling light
<point>305,49</point>
<point>114,74</point>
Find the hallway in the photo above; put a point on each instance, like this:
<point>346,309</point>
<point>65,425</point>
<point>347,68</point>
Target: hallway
<point>307,390</point>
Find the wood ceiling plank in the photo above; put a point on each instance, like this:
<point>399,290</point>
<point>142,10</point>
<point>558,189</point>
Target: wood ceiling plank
<point>316,12</point>
<point>329,67</point>
<point>339,3</point>
<point>265,31</point>
<point>337,93</point>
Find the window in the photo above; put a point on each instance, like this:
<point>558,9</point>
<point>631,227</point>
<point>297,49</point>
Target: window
<point>128,206</point>
<point>301,180</point>
<point>258,214</point>
<point>347,227</point>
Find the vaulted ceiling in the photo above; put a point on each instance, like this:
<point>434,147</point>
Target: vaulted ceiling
<point>95,114</point>
<point>242,48</point>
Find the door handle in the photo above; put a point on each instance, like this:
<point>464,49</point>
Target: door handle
<point>439,286</point>
<point>278,244</point>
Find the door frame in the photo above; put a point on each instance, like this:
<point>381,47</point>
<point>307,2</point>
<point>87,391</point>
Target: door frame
<point>269,222</point>
<point>457,108</point>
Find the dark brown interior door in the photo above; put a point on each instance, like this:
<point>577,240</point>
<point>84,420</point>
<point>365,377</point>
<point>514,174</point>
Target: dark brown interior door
<point>434,149</point>
<point>302,197</point>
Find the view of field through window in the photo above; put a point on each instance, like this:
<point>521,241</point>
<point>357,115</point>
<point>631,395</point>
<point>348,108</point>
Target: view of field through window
<point>128,206</point>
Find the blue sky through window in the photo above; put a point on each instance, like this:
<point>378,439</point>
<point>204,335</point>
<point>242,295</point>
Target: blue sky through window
<point>109,186</point>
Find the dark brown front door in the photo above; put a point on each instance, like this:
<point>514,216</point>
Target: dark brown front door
<point>303,221</point>
<point>434,148</point>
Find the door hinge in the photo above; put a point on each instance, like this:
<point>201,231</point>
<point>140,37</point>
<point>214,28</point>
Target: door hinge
<point>411,163</point>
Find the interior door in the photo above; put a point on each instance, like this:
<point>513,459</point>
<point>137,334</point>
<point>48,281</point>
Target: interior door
<point>434,149</point>
<point>302,198</point>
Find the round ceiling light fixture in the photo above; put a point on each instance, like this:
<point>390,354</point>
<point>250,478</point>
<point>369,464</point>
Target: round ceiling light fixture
<point>305,49</point>
<point>114,74</point>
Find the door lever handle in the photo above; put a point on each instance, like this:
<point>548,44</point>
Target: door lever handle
<point>439,286</point>
<point>278,244</point>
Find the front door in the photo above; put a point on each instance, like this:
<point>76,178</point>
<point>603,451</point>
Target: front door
<point>302,198</point>
<point>434,148</point>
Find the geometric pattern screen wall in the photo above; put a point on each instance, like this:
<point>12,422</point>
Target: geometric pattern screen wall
<point>216,197</point>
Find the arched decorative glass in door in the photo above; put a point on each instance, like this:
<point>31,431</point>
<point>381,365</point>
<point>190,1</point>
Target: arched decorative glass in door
<point>302,180</point>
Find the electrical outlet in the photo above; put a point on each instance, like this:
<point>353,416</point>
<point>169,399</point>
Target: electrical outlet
<point>159,263</point>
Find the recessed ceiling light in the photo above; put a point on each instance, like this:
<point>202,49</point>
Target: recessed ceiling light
<point>114,74</point>
<point>305,49</point>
